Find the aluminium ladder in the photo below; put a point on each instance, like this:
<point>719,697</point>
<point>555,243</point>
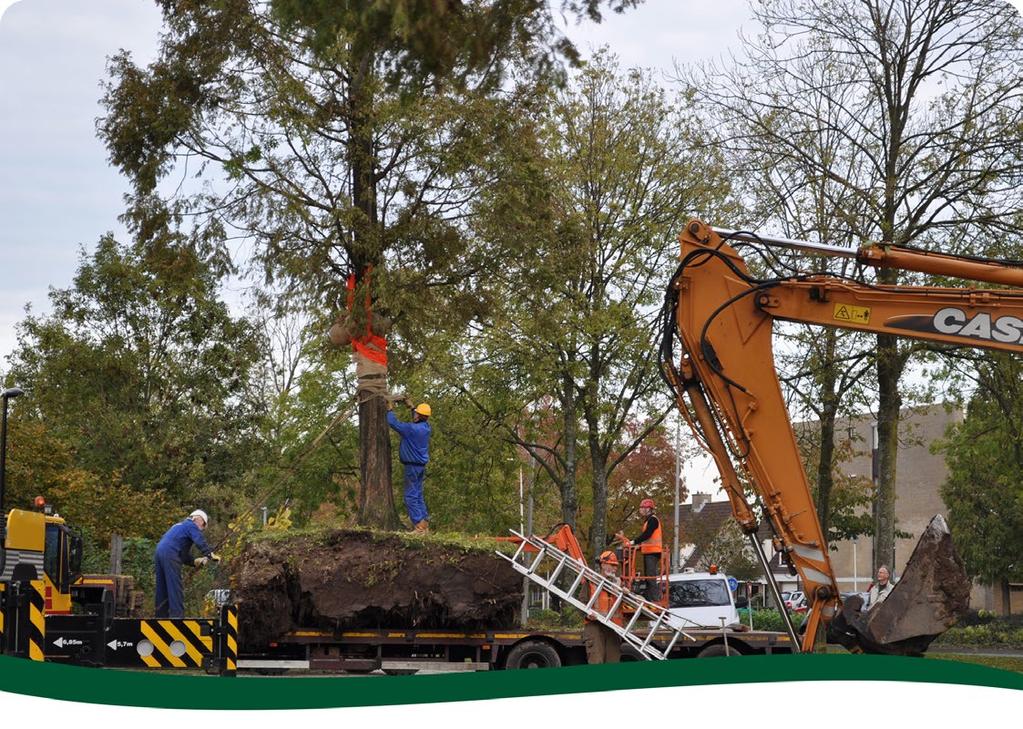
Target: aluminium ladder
<point>563,564</point>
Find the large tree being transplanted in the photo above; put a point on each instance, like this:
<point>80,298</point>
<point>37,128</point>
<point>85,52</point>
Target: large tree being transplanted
<point>339,138</point>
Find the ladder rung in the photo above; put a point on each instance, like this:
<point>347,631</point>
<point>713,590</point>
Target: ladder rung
<point>578,579</point>
<point>672,642</point>
<point>536,562</point>
<point>635,617</point>
<point>642,609</point>
<point>518,552</point>
<point>557,570</point>
<point>596,594</point>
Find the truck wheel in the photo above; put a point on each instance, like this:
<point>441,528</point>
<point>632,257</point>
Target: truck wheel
<point>533,654</point>
<point>717,649</point>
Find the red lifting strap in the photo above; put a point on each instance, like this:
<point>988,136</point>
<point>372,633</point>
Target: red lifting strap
<point>369,345</point>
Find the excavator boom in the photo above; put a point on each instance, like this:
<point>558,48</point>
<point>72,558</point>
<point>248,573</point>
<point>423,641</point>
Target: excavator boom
<point>726,387</point>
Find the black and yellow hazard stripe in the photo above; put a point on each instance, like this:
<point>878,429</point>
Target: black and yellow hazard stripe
<point>3,615</point>
<point>36,621</point>
<point>229,626</point>
<point>177,643</point>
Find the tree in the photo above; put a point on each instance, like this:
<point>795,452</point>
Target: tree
<point>984,490</point>
<point>844,511</point>
<point>136,383</point>
<point>349,134</point>
<point>928,101</point>
<point>619,165</point>
<point>730,550</point>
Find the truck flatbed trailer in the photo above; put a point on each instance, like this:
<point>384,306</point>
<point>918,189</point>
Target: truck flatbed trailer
<point>408,651</point>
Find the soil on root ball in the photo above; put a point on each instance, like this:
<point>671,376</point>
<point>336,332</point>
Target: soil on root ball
<point>345,579</point>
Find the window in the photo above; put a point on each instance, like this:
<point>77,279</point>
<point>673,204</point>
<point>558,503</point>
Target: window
<point>56,557</point>
<point>51,558</point>
<point>699,593</point>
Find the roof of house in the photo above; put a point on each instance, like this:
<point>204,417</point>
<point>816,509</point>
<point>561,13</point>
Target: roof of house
<point>709,519</point>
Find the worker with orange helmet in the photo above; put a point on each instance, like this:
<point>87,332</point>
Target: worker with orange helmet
<point>649,541</point>
<point>414,454</point>
<point>602,644</point>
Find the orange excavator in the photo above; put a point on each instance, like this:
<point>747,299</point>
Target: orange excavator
<point>716,356</point>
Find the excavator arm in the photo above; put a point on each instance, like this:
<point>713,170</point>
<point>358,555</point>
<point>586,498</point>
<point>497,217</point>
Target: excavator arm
<point>726,386</point>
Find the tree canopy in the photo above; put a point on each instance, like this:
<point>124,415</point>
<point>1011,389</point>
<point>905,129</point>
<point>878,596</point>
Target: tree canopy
<point>137,387</point>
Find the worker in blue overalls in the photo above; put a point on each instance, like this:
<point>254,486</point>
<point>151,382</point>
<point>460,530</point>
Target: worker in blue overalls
<point>414,453</point>
<point>174,550</point>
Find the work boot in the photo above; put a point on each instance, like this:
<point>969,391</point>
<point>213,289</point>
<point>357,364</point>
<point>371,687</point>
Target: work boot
<point>423,527</point>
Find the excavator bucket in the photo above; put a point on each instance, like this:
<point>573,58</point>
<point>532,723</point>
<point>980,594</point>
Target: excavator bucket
<point>932,595</point>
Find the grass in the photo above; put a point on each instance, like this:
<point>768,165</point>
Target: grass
<point>1005,663</point>
<point>464,542</point>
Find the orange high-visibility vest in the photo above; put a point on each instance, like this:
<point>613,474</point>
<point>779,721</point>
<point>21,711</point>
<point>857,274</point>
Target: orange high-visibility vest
<point>604,603</point>
<point>653,544</point>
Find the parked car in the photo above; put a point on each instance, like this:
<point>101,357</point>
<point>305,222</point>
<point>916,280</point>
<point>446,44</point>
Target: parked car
<point>862,595</point>
<point>701,599</point>
<point>796,602</point>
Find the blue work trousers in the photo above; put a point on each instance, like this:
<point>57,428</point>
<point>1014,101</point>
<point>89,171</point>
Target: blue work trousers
<point>414,502</point>
<point>170,595</point>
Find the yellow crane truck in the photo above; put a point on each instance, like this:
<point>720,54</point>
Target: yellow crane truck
<point>50,611</point>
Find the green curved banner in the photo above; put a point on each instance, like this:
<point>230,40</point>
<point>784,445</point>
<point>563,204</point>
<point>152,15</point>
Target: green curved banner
<point>166,690</point>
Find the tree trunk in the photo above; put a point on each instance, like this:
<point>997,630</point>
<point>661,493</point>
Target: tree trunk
<point>598,528</point>
<point>598,464</point>
<point>889,371</point>
<point>569,498</point>
<point>376,494</point>
<point>825,475</point>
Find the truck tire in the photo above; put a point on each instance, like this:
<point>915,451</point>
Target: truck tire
<point>714,650</point>
<point>533,654</point>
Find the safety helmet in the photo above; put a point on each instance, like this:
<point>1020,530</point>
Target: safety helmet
<point>647,503</point>
<point>200,513</point>
<point>608,557</point>
<point>424,410</point>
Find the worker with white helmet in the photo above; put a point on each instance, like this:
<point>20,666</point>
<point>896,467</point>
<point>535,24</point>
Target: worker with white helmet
<point>174,550</point>
<point>414,453</point>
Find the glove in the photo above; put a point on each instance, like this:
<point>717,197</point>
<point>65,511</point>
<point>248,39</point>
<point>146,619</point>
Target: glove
<point>199,561</point>
<point>214,556</point>
<point>408,401</point>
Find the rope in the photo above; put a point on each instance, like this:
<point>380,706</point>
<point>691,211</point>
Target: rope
<point>370,378</point>
<point>289,470</point>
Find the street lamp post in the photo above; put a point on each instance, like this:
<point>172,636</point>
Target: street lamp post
<point>675,556</point>
<point>5,395</point>
<point>8,394</point>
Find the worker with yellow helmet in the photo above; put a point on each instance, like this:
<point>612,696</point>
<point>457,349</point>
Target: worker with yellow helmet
<point>414,453</point>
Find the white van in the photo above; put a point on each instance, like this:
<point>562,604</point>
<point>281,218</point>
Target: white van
<point>701,599</point>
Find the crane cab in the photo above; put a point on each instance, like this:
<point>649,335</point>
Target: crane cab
<point>41,546</point>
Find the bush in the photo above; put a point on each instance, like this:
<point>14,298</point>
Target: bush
<point>555,620</point>
<point>769,619</point>
<point>995,632</point>
<point>988,617</point>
